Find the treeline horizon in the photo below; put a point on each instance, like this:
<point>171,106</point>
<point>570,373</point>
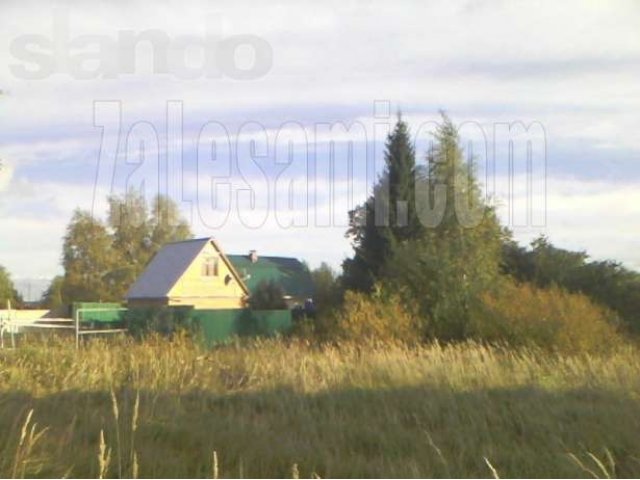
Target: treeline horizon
<point>443,273</point>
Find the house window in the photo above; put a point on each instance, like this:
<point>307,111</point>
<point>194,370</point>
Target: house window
<point>210,267</point>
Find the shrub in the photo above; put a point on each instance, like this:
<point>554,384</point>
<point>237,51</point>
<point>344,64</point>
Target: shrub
<point>268,295</point>
<point>377,317</point>
<point>165,321</point>
<point>522,314</point>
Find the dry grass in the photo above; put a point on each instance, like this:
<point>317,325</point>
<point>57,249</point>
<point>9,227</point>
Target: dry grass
<point>273,409</point>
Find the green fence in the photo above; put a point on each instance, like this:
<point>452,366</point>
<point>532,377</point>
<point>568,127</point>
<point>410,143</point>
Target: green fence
<point>220,325</point>
<point>215,326</point>
<point>103,313</point>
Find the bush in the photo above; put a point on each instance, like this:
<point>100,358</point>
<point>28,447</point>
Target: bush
<point>522,314</point>
<point>165,321</point>
<point>379,317</point>
<point>268,295</point>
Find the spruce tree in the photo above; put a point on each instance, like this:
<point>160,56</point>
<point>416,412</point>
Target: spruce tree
<point>458,255</point>
<point>388,218</point>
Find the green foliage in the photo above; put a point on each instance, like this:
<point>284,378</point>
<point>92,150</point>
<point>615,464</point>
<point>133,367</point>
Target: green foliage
<point>445,270</point>
<point>165,321</point>
<point>388,217</point>
<point>167,225</point>
<point>8,291</point>
<point>605,282</point>
<point>268,295</point>
<point>53,295</point>
<point>449,268</point>
<point>129,221</point>
<point>102,261</point>
<point>88,260</point>
<point>522,314</point>
<point>327,288</point>
<point>139,234</point>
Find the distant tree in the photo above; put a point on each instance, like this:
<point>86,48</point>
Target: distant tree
<point>8,290</point>
<point>166,223</point>
<point>138,234</point>
<point>53,295</point>
<point>101,261</point>
<point>605,282</point>
<point>88,259</point>
<point>131,233</point>
<point>327,288</point>
<point>268,295</point>
<point>388,218</point>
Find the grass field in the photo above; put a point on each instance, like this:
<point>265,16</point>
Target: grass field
<point>274,409</point>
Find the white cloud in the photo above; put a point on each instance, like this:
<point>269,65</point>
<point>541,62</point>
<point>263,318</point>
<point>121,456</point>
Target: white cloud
<point>572,66</point>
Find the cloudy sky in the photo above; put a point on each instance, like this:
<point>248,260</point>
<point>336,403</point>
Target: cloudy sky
<point>274,79</point>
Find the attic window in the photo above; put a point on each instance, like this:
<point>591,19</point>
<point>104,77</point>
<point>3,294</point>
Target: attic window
<point>210,267</point>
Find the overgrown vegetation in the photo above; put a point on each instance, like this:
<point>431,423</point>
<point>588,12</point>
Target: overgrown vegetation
<point>550,317</point>
<point>443,254</point>
<point>605,282</point>
<point>268,295</point>
<point>163,408</point>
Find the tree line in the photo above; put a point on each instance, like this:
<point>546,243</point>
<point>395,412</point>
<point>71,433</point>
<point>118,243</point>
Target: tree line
<point>444,275</point>
<point>457,282</point>
<point>101,260</point>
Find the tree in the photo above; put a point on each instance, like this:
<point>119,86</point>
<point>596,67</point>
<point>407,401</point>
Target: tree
<point>53,295</point>
<point>101,261</point>
<point>605,282</point>
<point>327,289</point>
<point>445,269</point>
<point>8,292</point>
<point>139,234</point>
<point>166,223</point>
<point>132,244</point>
<point>388,218</point>
<point>88,260</point>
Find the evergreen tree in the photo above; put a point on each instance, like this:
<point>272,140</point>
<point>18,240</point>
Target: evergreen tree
<point>388,218</point>
<point>458,256</point>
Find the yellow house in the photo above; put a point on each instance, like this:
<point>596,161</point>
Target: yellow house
<point>193,272</point>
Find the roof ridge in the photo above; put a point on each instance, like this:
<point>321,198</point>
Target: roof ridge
<point>201,239</point>
<point>262,256</point>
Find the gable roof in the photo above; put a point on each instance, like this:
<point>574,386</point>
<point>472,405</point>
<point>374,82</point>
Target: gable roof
<point>169,264</point>
<point>290,273</point>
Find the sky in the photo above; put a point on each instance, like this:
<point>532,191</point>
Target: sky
<point>249,100</point>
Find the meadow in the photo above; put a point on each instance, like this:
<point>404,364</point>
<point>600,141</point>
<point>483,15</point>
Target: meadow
<point>279,408</point>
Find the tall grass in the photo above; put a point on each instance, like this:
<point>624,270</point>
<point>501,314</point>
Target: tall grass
<point>273,408</point>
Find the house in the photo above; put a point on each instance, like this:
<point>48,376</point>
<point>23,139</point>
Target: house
<point>198,273</point>
<point>289,273</point>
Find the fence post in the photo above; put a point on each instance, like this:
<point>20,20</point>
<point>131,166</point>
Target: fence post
<point>77,324</point>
